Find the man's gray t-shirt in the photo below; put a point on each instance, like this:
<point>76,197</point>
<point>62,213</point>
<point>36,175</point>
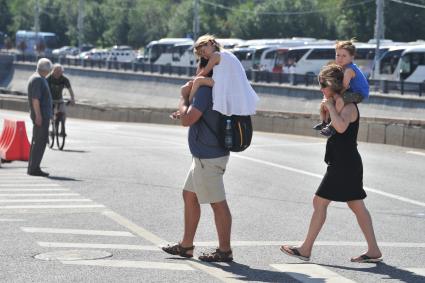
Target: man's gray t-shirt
<point>202,141</point>
<point>39,89</point>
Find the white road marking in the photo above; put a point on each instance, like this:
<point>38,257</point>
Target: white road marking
<point>30,185</point>
<point>45,200</point>
<point>389,195</point>
<point>11,220</point>
<point>416,153</point>
<point>145,234</point>
<point>311,273</point>
<point>50,206</point>
<point>77,232</point>
<point>132,264</point>
<point>38,195</point>
<point>98,246</point>
<point>33,190</point>
<point>288,144</point>
<point>318,243</point>
<point>418,271</point>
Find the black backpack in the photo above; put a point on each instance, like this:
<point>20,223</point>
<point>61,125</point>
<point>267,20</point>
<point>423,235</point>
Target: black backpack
<point>240,129</point>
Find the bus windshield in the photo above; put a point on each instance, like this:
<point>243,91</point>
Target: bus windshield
<point>409,63</point>
<point>389,61</point>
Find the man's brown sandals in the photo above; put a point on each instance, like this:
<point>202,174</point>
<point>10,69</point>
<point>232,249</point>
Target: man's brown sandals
<point>178,249</point>
<point>217,256</point>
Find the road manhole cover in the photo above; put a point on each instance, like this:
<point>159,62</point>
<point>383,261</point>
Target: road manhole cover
<point>73,255</point>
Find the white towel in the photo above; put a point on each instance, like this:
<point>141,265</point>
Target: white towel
<point>232,92</point>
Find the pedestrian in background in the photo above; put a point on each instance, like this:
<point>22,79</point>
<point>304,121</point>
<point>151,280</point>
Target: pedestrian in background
<point>57,82</point>
<point>343,181</point>
<point>40,103</point>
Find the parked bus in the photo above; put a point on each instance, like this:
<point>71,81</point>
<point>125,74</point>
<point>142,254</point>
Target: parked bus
<point>244,54</point>
<point>30,42</point>
<point>160,51</point>
<point>405,63</point>
<point>182,55</point>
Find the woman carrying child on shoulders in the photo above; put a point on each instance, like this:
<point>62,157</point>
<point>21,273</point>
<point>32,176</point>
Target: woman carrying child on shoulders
<point>343,181</point>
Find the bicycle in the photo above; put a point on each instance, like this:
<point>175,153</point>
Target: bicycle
<point>57,127</point>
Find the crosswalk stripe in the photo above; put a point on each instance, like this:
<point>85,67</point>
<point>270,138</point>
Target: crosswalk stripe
<point>418,271</point>
<point>30,185</point>
<point>318,243</point>
<point>132,264</point>
<point>98,246</point>
<point>311,273</point>
<point>50,206</point>
<point>11,220</point>
<point>38,195</point>
<point>44,200</point>
<point>33,190</point>
<point>77,232</point>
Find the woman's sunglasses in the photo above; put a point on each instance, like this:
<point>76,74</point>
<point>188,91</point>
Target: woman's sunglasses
<point>323,85</point>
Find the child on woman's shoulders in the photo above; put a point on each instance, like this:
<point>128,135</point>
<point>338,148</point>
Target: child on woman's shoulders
<point>355,84</point>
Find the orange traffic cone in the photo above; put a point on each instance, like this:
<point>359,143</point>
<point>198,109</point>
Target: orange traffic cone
<point>14,144</point>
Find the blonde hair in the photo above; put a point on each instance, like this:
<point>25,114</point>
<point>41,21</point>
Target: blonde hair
<point>332,75</point>
<point>347,45</point>
<point>203,40</point>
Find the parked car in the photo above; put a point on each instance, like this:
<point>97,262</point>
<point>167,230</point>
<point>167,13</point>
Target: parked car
<point>121,54</point>
<point>65,50</point>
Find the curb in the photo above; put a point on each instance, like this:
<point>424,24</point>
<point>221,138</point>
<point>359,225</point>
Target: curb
<point>407,133</point>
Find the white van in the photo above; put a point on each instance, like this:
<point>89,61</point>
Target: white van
<point>160,51</point>
<point>310,59</point>
<point>121,54</point>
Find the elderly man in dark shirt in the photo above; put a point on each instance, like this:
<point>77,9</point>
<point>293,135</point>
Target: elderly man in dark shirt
<point>40,102</point>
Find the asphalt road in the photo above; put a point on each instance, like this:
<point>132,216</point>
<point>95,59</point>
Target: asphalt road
<point>116,190</point>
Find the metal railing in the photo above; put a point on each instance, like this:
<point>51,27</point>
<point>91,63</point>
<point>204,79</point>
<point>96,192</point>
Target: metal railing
<point>385,87</point>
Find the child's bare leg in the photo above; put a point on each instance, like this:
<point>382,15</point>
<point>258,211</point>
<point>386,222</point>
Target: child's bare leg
<point>185,89</point>
<point>200,81</point>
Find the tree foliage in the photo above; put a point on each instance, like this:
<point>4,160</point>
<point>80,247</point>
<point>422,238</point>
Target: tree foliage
<point>137,22</point>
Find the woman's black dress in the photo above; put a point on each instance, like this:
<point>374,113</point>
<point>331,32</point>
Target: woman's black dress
<point>343,180</point>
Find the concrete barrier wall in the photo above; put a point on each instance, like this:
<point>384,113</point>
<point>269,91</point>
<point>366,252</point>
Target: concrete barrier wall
<point>409,133</point>
<point>126,88</point>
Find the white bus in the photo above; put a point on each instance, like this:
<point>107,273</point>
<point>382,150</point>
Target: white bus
<point>412,64</point>
<point>182,55</point>
<point>29,41</point>
<point>160,51</point>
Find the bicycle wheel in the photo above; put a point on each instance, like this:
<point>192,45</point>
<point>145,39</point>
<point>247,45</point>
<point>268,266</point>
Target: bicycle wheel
<point>61,135</point>
<point>52,134</point>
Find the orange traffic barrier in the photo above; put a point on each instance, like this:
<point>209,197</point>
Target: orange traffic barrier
<point>14,144</point>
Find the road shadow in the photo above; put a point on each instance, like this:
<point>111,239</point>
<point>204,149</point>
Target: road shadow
<point>244,272</point>
<point>382,268</point>
<point>61,178</point>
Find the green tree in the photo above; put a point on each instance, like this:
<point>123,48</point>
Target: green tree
<point>6,16</point>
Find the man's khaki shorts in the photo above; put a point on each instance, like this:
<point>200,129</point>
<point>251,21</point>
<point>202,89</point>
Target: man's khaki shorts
<point>205,179</point>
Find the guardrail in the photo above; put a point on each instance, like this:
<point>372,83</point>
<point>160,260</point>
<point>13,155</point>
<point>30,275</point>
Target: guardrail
<point>382,86</point>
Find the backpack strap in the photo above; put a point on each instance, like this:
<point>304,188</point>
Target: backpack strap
<point>210,128</point>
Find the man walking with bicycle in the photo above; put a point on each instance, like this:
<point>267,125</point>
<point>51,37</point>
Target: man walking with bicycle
<point>57,82</point>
